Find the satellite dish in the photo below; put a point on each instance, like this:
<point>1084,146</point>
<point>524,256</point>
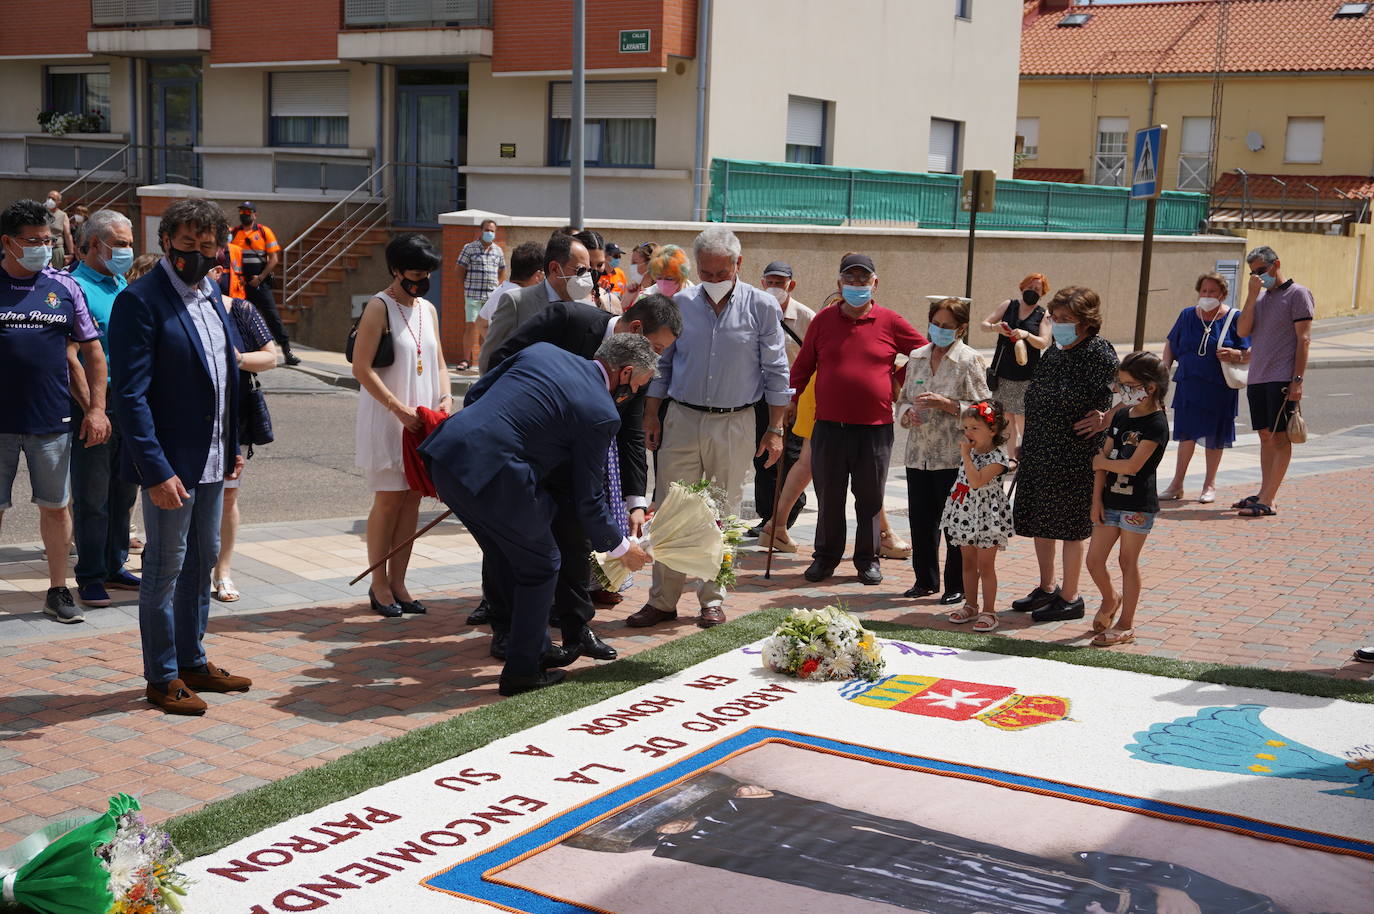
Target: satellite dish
<point>1253,141</point>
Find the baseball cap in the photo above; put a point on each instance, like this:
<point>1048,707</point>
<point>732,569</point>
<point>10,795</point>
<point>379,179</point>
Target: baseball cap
<point>861,261</point>
<point>613,250</point>
<point>248,204</point>
<point>778,268</point>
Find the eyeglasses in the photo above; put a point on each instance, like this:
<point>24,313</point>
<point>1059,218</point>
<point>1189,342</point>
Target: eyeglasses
<point>34,242</point>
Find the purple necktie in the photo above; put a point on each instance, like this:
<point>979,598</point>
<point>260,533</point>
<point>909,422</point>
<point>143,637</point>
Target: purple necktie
<point>613,490</point>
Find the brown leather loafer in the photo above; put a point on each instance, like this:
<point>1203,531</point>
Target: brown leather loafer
<point>177,699</point>
<point>215,679</point>
<point>606,598</point>
<point>711,615</point>
<point>650,615</point>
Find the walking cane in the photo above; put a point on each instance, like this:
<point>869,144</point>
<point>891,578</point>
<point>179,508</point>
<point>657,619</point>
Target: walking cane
<point>773,518</point>
<point>427,527</point>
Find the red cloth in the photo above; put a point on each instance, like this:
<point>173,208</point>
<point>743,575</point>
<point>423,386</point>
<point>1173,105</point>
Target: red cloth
<point>417,476</point>
<point>852,361</point>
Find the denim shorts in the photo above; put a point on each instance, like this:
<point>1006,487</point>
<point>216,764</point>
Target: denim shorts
<point>1134,521</point>
<point>48,458</point>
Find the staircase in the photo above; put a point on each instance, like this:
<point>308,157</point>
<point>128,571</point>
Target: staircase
<point>107,185</point>
<point>323,281</point>
<point>317,260</point>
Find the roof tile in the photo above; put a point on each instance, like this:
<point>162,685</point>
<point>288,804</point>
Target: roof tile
<point>1182,37</point>
<point>1261,188</point>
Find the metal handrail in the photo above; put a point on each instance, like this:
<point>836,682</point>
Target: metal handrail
<point>90,171</point>
<point>328,250</point>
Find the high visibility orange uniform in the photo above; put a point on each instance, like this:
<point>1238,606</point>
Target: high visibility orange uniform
<point>236,286</point>
<point>257,242</point>
<point>614,281</point>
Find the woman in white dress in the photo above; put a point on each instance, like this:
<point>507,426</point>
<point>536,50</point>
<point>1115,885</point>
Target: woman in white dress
<point>387,406</point>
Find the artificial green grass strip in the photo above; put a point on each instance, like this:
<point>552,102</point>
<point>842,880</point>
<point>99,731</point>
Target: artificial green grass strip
<point>222,823</point>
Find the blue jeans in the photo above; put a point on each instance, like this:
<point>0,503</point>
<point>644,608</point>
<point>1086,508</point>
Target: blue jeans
<point>174,601</point>
<point>101,505</point>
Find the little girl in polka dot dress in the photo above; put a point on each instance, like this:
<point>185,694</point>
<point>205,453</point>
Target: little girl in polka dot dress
<point>977,515</point>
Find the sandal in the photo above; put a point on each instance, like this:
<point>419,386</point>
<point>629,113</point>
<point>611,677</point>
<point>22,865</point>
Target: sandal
<point>1256,509</point>
<point>1209,495</point>
<point>1247,500</point>
<point>463,365</point>
<point>985,622</point>
<point>964,614</point>
<point>1114,636</point>
<point>1109,613</point>
<point>779,545</point>
<point>893,547</point>
<point>225,591</point>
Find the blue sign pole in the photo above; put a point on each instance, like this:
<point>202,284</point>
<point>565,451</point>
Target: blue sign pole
<point>1146,180</point>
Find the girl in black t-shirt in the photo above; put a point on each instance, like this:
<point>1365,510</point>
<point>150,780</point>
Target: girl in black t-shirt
<point>1125,501</point>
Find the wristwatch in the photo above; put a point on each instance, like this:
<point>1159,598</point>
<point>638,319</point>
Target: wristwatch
<point>777,430</point>
<point>1297,379</point>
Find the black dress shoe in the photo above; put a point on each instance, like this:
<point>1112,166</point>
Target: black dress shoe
<point>1059,610</point>
<point>949,598</point>
<point>755,531</point>
<point>918,591</point>
<point>1364,654</point>
<point>514,685</point>
<point>1036,599</point>
<point>385,610</point>
<point>498,644</point>
<point>870,575</point>
<point>481,615</point>
<point>589,644</point>
<point>291,358</point>
<point>818,571</point>
<point>555,656</point>
<point>413,607</point>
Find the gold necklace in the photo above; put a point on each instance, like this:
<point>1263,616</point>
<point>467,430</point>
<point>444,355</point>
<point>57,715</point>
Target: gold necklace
<point>419,356</point>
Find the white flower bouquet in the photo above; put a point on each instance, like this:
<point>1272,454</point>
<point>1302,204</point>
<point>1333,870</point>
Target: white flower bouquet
<point>689,533</point>
<point>826,643</point>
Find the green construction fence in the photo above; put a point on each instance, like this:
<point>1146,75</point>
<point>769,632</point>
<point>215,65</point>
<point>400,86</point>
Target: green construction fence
<point>780,193</point>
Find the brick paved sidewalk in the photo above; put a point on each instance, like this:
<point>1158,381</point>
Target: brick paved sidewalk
<point>1291,592</point>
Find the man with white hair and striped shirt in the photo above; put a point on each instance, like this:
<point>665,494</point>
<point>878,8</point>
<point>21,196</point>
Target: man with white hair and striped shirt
<point>101,501</point>
<point>729,356</point>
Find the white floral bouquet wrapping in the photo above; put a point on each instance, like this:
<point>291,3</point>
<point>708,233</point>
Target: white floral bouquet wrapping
<point>826,643</point>
<point>689,533</point>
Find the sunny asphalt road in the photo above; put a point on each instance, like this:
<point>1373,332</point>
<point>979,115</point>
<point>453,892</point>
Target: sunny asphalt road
<point>308,472</point>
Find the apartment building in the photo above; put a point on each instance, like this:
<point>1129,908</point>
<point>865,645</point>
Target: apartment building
<point>466,103</point>
<point>1270,103</point>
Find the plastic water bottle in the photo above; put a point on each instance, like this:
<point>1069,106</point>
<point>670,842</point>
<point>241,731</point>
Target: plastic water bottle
<point>920,408</point>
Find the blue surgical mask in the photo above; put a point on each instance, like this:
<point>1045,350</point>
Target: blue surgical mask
<point>488,237</point>
<point>1064,334</point>
<point>1267,280</point>
<point>120,260</point>
<point>857,296</point>
<point>614,263</point>
<point>35,258</point>
<point>941,336</point>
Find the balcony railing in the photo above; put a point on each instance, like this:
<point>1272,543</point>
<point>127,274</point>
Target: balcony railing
<point>377,14</point>
<point>144,13</point>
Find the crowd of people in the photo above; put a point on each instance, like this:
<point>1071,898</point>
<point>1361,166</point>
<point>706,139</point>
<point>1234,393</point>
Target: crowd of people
<point>138,374</point>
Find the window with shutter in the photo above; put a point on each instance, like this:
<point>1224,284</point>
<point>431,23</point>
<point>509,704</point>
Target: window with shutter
<point>1195,154</point>
<point>943,156</point>
<point>308,108</point>
<point>806,130</point>
<point>1109,160</point>
<point>1028,129</point>
<point>1303,140</point>
<point>619,124</point>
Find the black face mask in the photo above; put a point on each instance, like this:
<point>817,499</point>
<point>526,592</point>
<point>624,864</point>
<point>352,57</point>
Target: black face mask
<point>190,266</point>
<point>415,288</point>
<point>1030,297</point>
<point>245,219</point>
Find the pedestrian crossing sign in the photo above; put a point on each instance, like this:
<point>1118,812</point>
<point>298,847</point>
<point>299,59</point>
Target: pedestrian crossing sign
<point>1149,148</point>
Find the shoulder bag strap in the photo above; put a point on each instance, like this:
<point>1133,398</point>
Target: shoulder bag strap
<point>1225,326</point>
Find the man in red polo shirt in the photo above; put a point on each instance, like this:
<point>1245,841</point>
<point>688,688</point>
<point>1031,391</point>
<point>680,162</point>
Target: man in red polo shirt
<point>851,348</point>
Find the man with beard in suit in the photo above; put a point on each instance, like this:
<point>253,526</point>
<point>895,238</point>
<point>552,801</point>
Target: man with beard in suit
<point>581,329</point>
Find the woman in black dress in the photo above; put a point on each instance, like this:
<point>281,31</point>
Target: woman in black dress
<point>1067,408</point>
<point>1022,319</point>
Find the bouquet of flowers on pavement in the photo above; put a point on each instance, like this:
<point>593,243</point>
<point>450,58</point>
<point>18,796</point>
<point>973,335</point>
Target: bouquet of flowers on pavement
<point>113,863</point>
<point>826,643</point>
<point>691,534</point>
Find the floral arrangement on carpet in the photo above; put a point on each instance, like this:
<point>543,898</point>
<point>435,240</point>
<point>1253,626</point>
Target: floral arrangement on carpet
<point>114,863</point>
<point>826,643</point>
<point>689,533</point>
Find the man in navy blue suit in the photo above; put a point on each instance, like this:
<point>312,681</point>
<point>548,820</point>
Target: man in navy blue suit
<point>174,366</point>
<point>537,411</point>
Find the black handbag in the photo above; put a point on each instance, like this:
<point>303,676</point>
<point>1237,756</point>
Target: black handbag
<point>255,422</point>
<point>992,378</point>
<point>386,352</point>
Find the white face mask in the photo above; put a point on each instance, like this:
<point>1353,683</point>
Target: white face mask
<point>50,204</point>
<point>716,291</point>
<point>580,287</point>
<point>1207,304</point>
<point>1131,396</point>
<point>778,293</point>
<point>635,274</point>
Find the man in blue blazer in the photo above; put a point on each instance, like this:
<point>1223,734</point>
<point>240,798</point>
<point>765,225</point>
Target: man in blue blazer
<point>174,369</point>
<point>539,410</point>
